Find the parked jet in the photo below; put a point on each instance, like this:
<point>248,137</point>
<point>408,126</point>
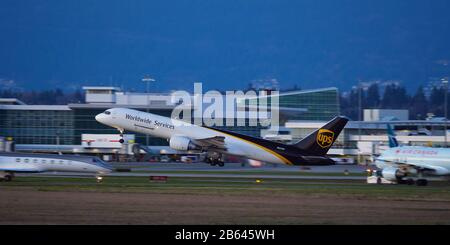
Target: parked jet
<point>216,142</point>
<point>11,163</point>
<point>399,163</point>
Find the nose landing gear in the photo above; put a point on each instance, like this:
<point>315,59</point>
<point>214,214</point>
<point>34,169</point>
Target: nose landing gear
<point>121,140</point>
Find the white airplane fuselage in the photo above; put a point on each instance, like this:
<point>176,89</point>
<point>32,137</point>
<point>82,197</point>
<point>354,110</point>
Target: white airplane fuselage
<point>164,127</point>
<point>435,159</point>
<point>33,163</point>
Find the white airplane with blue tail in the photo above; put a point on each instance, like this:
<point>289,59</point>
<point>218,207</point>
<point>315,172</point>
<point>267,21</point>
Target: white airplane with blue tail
<point>400,163</point>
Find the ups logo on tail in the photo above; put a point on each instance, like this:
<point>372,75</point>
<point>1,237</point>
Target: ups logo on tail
<point>325,138</point>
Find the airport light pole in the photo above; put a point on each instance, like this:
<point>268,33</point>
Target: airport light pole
<point>445,82</point>
<point>148,80</point>
<point>359,117</point>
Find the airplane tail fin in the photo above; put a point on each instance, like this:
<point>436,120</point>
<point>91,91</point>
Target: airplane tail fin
<point>391,135</point>
<point>319,142</point>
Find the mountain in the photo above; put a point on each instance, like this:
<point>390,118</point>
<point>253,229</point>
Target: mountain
<point>224,44</point>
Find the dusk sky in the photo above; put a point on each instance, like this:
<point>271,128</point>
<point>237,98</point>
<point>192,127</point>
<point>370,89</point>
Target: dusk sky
<point>224,44</point>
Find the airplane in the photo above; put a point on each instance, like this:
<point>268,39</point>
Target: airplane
<point>399,163</point>
<point>12,162</point>
<point>216,143</point>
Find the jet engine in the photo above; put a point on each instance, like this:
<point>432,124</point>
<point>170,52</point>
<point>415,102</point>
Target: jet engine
<point>392,173</point>
<point>182,143</point>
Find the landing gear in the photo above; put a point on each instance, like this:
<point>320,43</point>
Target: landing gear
<point>422,182</point>
<point>214,162</point>
<point>408,181</point>
<point>121,130</point>
<point>215,159</point>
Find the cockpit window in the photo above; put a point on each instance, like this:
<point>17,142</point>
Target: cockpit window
<point>97,161</point>
<point>107,112</point>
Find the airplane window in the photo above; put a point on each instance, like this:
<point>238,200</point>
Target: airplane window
<point>26,160</point>
<point>17,159</point>
<point>107,112</point>
<point>61,162</point>
<point>52,161</point>
<point>35,160</point>
<point>43,161</point>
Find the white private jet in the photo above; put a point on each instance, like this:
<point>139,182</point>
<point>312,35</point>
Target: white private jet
<point>11,163</point>
<point>399,162</point>
<point>185,136</point>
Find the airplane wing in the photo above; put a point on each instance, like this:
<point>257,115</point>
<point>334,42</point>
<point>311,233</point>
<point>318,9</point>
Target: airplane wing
<point>438,170</point>
<point>217,142</point>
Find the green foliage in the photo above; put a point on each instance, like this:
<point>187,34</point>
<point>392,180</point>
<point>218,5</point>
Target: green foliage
<point>394,97</point>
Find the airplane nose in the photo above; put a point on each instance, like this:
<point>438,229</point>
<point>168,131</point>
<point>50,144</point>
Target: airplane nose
<point>106,170</point>
<point>99,117</point>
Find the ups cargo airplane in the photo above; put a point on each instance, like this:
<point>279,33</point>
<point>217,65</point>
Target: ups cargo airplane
<point>398,163</point>
<point>11,162</point>
<point>184,136</point>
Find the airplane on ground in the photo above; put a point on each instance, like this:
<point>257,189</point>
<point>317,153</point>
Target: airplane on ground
<point>11,162</point>
<point>184,136</point>
<point>399,163</point>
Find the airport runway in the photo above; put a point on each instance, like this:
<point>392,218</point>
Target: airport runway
<point>157,166</point>
<point>230,170</point>
<point>205,175</point>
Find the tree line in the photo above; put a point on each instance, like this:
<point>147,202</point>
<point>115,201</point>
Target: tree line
<point>44,97</point>
<point>395,96</point>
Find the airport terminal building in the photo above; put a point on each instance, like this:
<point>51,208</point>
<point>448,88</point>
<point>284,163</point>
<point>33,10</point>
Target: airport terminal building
<point>61,128</point>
